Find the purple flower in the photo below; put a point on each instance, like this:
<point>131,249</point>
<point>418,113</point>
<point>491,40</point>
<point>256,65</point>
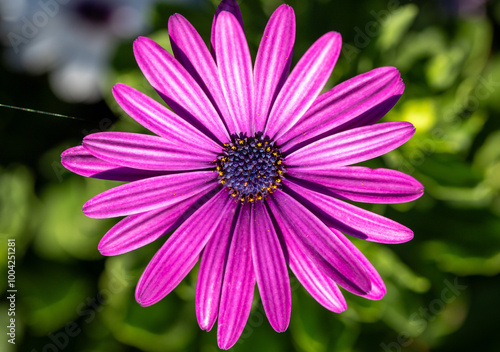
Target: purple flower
<point>250,170</point>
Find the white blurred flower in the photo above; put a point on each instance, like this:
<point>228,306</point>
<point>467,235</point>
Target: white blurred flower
<point>74,39</point>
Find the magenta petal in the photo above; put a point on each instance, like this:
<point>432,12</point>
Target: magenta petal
<point>378,287</point>
<point>273,61</point>
<point>181,251</point>
<point>190,50</point>
<point>361,184</point>
<point>148,194</point>
<point>238,285</point>
<point>81,162</point>
<point>230,6</point>
<point>141,151</point>
<point>352,146</point>
<point>350,219</point>
<point>316,282</point>
<point>211,273</point>
<point>235,71</point>
<point>304,84</point>
<point>178,88</point>
<point>318,243</point>
<point>160,120</point>
<point>357,102</point>
<point>138,230</point>
<point>270,269</point>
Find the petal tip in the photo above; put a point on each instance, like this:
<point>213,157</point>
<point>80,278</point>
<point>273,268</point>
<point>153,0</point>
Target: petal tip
<point>104,252</point>
<point>65,153</point>
<point>401,87</point>
<point>378,291</point>
<point>117,88</point>
<point>139,297</point>
<point>173,20</point>
<point>87,138</point>
<point>103,248</point>
<point>86,210</point>
<point>285,7</point>
<point>398,85</point>
<point>227,16</point>
<point>89,211</point>
<point>141,39</point>
<point>205,320</point>
<point>336,307</point>
<point>281,327</point>
<point>225,344</point>
<point>141,44</point>
<point>138,41</point>
<point>405,236</point>
<point>65,162</point>
<point>143,304</point>
<point>333,36</point>
<point>205,324</point>
<point>379,295</point>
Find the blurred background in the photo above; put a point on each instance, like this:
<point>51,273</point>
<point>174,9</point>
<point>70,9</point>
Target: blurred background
<point>63,56</point>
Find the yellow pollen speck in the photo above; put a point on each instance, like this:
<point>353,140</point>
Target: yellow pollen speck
<point>278,162</point>
<point>222,182</point>
<point>259,144</point>
<point>233,195</point>
<point>268,149</point>
<point>275,154</point>
<point>278,180</point>
<point>259,196</point>
<point>221,173</point>
<point>246,183</point>
<point>241,142</point>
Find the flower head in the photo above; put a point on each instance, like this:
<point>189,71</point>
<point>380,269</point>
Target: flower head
<point>250,170</point>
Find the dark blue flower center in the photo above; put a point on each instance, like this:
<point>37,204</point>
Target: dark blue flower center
<point>251,167</point>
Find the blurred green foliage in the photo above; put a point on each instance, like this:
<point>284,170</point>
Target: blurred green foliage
<point>442,287</point>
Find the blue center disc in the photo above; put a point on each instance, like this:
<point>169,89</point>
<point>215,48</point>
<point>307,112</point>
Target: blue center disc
<point>251,167</point>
